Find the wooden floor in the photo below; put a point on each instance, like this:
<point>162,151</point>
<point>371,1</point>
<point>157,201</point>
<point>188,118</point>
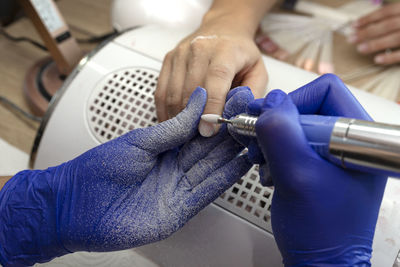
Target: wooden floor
<point>86,18</point>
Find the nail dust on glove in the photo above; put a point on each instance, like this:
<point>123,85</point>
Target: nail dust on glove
<point>136,189</point>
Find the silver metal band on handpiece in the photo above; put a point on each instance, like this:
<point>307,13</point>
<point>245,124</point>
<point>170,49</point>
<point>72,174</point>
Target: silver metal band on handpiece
<point>244,125</point>
<point>370,144</point>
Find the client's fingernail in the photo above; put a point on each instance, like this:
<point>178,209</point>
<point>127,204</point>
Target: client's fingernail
<point>352,39</point>
<point>274,98</point>
<point>355,24</point>
<point>283,55</point>
<point>379,59</point>
<point>206,129</point>
<point>362,47</point>
<point>269,46</point>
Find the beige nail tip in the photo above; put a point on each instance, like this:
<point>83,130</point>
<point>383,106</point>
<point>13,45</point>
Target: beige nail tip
<point>206,129</point>
<point>211,118</point>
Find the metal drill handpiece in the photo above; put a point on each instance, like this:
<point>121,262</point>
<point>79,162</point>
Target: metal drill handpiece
<point>244,124</point>
<point>370,144</point>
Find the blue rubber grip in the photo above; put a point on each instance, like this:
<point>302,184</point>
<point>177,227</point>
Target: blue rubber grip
<point>318,131</point>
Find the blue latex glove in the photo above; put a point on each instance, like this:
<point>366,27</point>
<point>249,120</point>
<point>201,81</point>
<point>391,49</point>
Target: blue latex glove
<point>133,190</point>
<point>322,215</point>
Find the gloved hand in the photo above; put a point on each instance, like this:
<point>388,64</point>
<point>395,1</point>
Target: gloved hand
<point>133,190</point>
<point>322,215</point>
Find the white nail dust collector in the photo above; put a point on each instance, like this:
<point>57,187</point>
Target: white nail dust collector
<point>111,92</point>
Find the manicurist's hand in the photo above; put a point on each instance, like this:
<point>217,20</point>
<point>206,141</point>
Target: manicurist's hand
<point>221,54</point>
<point>379,33</point>
<point>322,214</point>
<point>133,190</point>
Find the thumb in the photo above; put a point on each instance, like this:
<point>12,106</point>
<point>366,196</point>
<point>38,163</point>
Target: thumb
<point>174,132</point>
<point>237,101</point>
<point>280,134</point>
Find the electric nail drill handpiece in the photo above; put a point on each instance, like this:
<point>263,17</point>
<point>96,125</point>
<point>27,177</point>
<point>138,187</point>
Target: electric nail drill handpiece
<point>350,143</point>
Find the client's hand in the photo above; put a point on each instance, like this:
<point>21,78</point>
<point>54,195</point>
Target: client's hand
<point>379,32</point>
<point>218,56</point>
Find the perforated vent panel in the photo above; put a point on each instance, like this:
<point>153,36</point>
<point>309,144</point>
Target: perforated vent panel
<point>249,199</point>
<point>124,100</point>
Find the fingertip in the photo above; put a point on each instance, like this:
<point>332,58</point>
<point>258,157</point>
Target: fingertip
<point>267,45</point>
<point>238,102</point>
<point>236,90</point>
<point>278,115</point>
<point>281,54</point>
<point>197,99</point>
<point>352,39</point>
<point>363,48</point>
<point>274,99</point>
<point>199,91</point>
<point>356,24</point>
<point>255,106</point>
<point>380,59</point>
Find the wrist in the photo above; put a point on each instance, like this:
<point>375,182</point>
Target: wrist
<point>223,22</point>
<point>241,17</point>
<point>28,221</point>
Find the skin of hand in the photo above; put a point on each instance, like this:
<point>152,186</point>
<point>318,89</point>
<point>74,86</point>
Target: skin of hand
<point>135,189</point>
<point>379,32</point>
<point>221,54</point>
<point>322,214</point>
<point>3,180</point>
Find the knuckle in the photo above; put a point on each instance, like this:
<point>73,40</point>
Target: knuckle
<point>215,101</point>
<point>389,11</point>
<point>377,45</point>
<point>384,12</point>
<point>388,24</point>
<point>395,59</point>
<point>395,22</point>
<point>362,34</point>
<point>373,29</point>
<point>180,51</point>
<point>168,56</point>
<point>197,48</point>
<point>173,101</point>
<point>158,97</point>
<point>220,71</point>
